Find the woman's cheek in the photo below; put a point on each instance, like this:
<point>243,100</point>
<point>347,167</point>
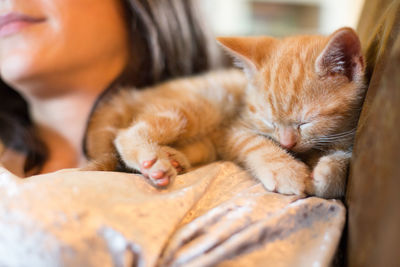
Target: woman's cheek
<point>23,54</point>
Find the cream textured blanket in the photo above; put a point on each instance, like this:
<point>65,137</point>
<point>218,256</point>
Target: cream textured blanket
<point>216,215</point>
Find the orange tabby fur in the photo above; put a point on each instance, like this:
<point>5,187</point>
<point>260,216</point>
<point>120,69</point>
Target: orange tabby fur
<point>290,121</point>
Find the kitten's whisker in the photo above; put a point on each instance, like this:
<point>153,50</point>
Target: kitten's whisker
<point>334,138</point>
<point>337,137</point>
<point>350,132</point>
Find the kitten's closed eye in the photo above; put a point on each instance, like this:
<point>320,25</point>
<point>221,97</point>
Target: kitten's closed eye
<point>269,124</point>
<point>304,125</point>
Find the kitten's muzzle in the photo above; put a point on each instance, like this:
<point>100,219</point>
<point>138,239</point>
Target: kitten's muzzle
<point>288,137</point>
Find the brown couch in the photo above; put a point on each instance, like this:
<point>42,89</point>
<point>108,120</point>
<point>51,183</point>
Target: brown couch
<point>373,196</point>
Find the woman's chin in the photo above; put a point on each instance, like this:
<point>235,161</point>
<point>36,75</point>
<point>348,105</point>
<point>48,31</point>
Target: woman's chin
<point>22,76</point>
<point>15,71</point>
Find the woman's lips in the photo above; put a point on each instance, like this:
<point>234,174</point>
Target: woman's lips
<point>11,23</point>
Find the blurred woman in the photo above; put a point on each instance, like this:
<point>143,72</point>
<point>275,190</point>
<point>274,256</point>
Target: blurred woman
<point>57,58</point>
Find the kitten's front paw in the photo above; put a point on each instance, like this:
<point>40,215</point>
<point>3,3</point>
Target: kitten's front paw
<point>287,178</point>
<point>328,178</point>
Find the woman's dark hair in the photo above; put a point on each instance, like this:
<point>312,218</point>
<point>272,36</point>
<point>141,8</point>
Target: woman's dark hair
<point>168,39</point>
<point>16,129</point>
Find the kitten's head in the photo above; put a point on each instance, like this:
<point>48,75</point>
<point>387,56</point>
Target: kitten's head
<point>305,91</point>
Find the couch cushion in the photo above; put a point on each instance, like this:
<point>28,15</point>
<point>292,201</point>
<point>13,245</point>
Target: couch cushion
<point>373,195</point>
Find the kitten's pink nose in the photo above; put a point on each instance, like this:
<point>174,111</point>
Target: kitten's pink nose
<point>289,145</point>
<point>287,138</point>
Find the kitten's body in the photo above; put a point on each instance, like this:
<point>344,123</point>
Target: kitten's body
<point>185,114</point>
<point>301,97</point>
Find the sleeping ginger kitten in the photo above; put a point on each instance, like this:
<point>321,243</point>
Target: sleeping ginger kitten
<point>290,120</point>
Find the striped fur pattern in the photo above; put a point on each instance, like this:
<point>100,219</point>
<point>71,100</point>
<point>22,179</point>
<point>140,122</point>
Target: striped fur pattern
<point>289,120</point>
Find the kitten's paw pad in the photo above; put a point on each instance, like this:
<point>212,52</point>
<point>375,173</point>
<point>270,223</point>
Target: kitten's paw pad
<point>160,178</point>
<point>328,179</point>
<point>178,160</point>
<point>148,163</point>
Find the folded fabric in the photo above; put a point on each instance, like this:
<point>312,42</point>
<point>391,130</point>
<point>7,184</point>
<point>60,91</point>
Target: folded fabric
<point>216,215</point>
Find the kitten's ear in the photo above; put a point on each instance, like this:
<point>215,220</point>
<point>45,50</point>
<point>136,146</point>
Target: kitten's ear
<point>342,55</point>
<point>250,52</point>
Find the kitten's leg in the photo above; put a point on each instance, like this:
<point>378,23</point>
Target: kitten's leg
<point>273,166</point>
<point>106,163</point>
<point>199,151</point>
<point>101,151</point>
<point>101,132</point>
<point>329,175</point>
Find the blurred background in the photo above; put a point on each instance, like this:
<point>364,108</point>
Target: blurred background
<point>281,17</point>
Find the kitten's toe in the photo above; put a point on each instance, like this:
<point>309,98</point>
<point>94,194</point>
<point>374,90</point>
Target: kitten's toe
<point>148,163</point>
<point>145,167</point>
<point>177,159</point>
<point>177,166</point>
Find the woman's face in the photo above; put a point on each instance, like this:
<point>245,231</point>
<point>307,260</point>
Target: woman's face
<point>46,38</point>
